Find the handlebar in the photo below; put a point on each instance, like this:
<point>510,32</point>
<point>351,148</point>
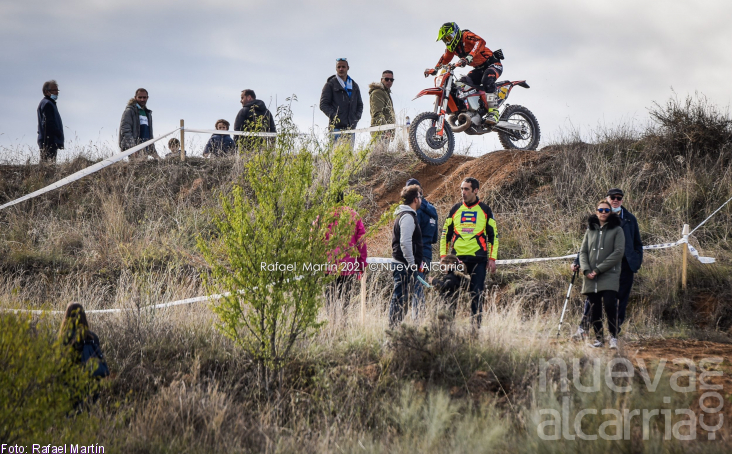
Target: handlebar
<point>450,67</point>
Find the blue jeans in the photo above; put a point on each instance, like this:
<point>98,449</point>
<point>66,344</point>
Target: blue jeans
<point>418,303</point>
<point>345,138</point>
<point>404,282</point>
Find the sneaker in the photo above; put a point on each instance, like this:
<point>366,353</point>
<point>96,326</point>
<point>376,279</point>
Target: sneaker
<point>597,344</point>
<point>580,335</point>
<point>614,343</point>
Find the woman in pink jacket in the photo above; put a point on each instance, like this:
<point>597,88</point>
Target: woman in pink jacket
<point>351,263</point>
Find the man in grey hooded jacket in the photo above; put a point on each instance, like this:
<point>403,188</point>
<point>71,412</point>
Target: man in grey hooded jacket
<point>136,126</point>
<point>406,250</point>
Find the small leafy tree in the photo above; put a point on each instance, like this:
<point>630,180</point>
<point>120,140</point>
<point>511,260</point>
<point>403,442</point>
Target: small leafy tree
<point>271,229</point>
<point>40,382</point>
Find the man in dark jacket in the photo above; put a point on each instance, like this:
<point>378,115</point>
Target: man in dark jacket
<point>253,117</point>
<point>632,260</point>
<point>406,250</point>
<point>136,126</point>
<point>341,101</point>
<point>427,220</point>
<point>50,127</point>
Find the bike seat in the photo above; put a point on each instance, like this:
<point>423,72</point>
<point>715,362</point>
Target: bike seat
<point>469,82</point>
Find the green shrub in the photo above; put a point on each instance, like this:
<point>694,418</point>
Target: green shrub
<point>265,237</point>
<point>39,381</point>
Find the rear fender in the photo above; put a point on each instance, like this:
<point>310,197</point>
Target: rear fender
<point>520,83</point>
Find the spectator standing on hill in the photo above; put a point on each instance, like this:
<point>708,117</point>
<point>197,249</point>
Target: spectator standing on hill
<point>406,249</point>
<point>341,101</point>
<point>253,117</point>
<point>50,127</point>
<point>350,263</point>
<point>470,233</point>
<point>136,127</point>
<point>601,256</point>
<point>632,260</point>
<point>219,144</point>
<point>382,106</point>
<point>427,220</point>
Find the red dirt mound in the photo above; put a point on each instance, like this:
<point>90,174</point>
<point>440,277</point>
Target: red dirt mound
<point>441,184</point>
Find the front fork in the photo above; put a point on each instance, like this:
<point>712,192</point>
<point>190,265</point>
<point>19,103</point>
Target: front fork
<point>441,108</point>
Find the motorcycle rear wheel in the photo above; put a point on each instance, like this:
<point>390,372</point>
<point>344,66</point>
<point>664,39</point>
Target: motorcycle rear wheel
<point>426,144</point>
<point>529,137</point>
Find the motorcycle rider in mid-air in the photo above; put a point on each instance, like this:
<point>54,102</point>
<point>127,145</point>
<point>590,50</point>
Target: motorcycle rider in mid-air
<point>472,51</point>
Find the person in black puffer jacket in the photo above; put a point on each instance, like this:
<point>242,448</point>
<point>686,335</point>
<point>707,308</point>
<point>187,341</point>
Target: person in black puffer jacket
<point>253,117</point>
<point>341,101</point>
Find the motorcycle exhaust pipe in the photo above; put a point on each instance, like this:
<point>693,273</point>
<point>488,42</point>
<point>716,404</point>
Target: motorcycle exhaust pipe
<point>465,122</point>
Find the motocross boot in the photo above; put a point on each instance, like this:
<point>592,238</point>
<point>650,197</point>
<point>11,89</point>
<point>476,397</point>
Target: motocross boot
<point>493,116</point>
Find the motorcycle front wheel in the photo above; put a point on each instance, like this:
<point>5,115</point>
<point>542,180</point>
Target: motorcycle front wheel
<point>426,144</point>
<point>528,137</point>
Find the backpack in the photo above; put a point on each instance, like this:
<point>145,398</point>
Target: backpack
<point>91,350</point>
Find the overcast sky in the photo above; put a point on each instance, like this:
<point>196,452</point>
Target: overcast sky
<point>589,63</point>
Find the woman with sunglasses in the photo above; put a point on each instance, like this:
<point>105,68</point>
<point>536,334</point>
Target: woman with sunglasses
<point>600,260</point>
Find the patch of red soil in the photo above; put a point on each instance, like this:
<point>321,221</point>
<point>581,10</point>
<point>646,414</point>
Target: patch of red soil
<point>655,350</point>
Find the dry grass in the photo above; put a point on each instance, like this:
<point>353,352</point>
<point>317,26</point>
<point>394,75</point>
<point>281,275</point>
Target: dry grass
<point>125,238</point>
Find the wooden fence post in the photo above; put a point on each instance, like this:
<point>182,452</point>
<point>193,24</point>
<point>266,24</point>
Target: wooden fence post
<point>684,256</point>
<point>182,141</point>
<point>363,297</point>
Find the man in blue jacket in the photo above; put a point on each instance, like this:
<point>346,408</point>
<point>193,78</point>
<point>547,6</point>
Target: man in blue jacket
<point>632,260</point>
<point>427,220</point>
<point>50,127</point>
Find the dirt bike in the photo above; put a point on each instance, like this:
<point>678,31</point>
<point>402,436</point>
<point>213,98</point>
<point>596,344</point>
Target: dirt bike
<point>463,104</point>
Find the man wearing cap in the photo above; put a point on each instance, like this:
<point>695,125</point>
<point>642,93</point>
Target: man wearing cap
<point>427,220</point>
<point>631,261</point>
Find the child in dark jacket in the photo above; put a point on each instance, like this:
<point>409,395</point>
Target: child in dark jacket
<point>450,280</point>
<point>220,144</point>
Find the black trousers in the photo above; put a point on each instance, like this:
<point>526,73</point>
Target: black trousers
<point>48,153</point>
<point>609,300</point>
<point>477,286</point>
<point>486,75</point>
<point>626,285</point>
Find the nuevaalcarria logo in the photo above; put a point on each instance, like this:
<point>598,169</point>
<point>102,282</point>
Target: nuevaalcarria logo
<point>617,376</point>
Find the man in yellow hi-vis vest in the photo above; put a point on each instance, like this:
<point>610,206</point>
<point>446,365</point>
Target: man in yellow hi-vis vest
<point>470,233</point>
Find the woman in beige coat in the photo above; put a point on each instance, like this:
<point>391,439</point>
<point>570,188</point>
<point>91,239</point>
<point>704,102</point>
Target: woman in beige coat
<point>600,259</point>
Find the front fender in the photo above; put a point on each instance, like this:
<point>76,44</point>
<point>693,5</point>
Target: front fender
<point>429,91</point>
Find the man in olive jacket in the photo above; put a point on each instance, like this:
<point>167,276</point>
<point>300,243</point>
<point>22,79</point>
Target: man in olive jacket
<point>136,126</point>
<point>382,106</point>
<point>341,101</point>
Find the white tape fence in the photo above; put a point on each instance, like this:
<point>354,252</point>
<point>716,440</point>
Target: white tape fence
<point>87,171</point>
<point>372,260</point>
